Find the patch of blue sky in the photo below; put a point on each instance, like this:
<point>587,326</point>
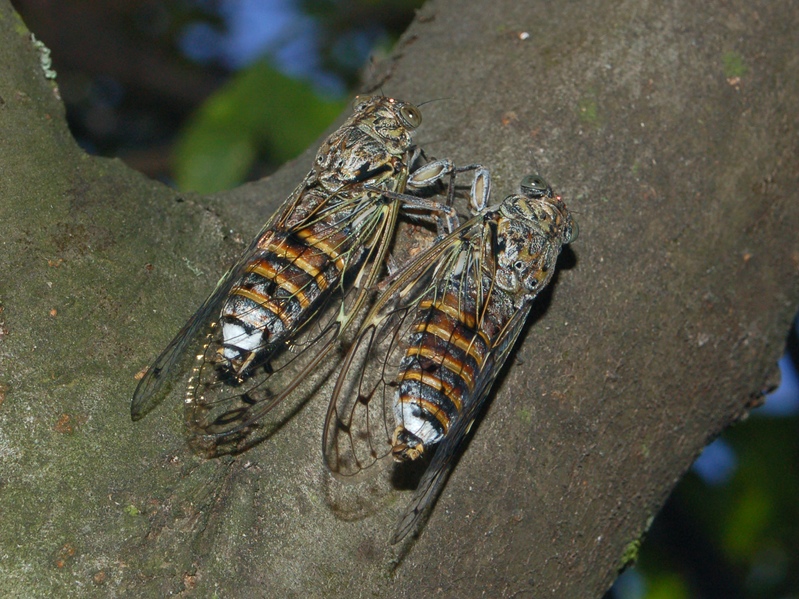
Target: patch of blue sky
<point>630,585</point>
<point>717,463</point>
<point>256,28</point>
<point>784,401</point>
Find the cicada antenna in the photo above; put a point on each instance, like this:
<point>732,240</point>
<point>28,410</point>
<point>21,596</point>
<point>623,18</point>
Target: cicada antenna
<point>433,100</point>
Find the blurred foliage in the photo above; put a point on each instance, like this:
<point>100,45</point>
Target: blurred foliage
<point>670,586</point>
<point>258,109</point>
<point>734,540</point>
<point>132,91</point>
<point>349,24</point>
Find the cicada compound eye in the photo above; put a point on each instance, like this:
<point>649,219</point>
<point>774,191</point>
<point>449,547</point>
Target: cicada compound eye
<point>411,115</point>
<point>534,186</point>
<point>574,231</point>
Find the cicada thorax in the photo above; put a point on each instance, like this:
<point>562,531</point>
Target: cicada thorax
<point>352,157</point>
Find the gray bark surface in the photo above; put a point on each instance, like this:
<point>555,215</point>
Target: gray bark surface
<point>672,132</point>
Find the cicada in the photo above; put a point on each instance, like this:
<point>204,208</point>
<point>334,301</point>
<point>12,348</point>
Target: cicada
<point>325,246</point>
<point>425,358</point>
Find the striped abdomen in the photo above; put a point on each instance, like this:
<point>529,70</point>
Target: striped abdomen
<point>437,375</point>
<point>280,289</point>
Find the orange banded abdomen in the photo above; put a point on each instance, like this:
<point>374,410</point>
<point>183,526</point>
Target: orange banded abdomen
<point>438,372</point>
<point>281,286</point>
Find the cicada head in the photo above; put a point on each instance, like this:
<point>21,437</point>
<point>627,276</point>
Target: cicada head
<point>531,229</point>
<point>390,121</point>
<point>550,210</point>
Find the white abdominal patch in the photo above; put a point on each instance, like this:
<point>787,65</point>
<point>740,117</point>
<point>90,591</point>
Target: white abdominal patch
<point>238,342</point>
<point>415,425</point>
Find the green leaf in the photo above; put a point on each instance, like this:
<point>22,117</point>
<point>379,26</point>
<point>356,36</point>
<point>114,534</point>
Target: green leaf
<point>669,586</point>
<point>258,110</point>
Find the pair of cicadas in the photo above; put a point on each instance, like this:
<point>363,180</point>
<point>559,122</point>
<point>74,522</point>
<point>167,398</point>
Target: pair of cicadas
<point>433,340</point>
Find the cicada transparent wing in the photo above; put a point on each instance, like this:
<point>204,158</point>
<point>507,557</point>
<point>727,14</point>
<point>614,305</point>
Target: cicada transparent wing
<point>448,450</point>
<point>360,422</point>
<point>156,382</point>
<point>326,246</point>
<point>241,375</point>
<point>432,345</point>
<point>358,428</point>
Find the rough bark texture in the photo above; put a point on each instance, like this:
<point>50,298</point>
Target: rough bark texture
<point>670,128</point>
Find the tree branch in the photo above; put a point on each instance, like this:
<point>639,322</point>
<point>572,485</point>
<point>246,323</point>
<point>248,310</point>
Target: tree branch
<point>671,132</point>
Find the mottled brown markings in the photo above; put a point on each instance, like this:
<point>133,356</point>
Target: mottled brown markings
<point>325,245</point>
<point>441,332</point>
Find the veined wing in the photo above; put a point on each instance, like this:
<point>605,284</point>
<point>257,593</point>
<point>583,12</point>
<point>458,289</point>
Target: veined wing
<point>358,427</point>
<point>171,363</point>
<point>168,366</point>
<point>219,405</point>
<point>448,451</point>
<point>527,232</point>
<point>287,285</point>
<point>356,229</point>
<point>436,340</point>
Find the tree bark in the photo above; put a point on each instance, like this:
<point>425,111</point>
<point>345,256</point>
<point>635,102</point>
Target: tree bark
<point>670,129</point>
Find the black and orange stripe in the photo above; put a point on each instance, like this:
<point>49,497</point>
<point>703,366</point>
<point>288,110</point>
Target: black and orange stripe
<point>282,283</point>
<point>447,349</point>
